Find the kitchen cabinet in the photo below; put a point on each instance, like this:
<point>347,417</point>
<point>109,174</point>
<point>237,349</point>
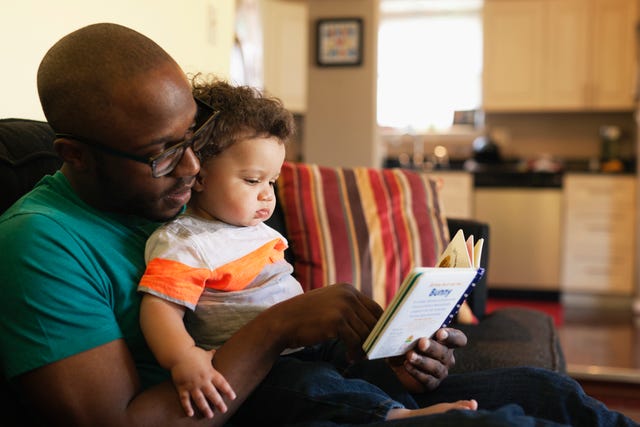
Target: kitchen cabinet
<point>599,234</point>
<point>456,193</point>
<point>285,38</point>
<point>559,55</point>
<point>524,246</point>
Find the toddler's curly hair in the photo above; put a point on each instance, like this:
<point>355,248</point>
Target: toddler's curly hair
<point>244,112</point>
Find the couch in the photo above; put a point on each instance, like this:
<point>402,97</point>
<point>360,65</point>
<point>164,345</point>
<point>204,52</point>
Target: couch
<point>506,337</point>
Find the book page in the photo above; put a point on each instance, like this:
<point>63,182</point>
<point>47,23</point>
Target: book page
<point>477,253</point>
<point>456,253</point>
<point>469,243</point>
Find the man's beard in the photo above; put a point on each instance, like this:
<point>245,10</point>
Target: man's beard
<point>119,197</point>
<point>138,202</point>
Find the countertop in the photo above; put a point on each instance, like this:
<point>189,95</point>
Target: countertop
<point>518,173</point>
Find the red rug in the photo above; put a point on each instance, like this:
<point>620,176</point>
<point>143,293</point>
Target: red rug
<point>552,308</point>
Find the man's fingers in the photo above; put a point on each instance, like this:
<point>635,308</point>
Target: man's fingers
<point>451,337</point>
<point>372,307</point>
<point>433,350</point>
<point>336,311</point>
<point>430,375</point>
<point>427,367</point>
<point>360,316</point>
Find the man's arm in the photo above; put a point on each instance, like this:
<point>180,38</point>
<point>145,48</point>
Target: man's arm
<point>336,311</point>
<point>101,387</point>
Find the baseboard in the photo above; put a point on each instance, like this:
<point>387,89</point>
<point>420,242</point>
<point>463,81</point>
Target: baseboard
<point>603,373</point>
<point>605,302</point>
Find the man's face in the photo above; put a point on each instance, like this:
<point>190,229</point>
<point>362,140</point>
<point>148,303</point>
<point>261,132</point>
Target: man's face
<point>157,116</point>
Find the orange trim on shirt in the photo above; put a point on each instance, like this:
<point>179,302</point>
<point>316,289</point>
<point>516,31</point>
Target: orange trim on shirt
<point>183,283</point>
<point>180,282</point>
<point>237,274</point>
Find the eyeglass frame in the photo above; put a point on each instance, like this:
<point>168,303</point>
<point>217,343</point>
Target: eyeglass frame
<point>153,160</point>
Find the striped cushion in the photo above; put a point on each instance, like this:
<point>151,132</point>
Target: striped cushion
<point>363,226</point>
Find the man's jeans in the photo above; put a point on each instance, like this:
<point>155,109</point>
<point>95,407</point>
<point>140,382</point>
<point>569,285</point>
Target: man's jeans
<point>302,391</point>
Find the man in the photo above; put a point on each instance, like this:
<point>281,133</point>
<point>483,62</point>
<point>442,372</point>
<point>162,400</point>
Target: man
<point>72,345</point>
<point>73,254</point>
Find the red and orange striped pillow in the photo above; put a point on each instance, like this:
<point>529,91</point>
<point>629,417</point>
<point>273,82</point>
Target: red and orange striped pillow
<point>363,226</point>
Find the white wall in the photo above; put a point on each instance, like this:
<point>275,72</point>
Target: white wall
<point>340,124</point>
<point>197,33</point>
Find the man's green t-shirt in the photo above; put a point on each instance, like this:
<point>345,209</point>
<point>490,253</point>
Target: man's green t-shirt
<point>68,278</point>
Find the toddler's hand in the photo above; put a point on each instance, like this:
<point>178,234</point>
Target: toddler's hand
<point>197,381</point>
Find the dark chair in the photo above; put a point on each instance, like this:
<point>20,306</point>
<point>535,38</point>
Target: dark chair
<point>26,155</point>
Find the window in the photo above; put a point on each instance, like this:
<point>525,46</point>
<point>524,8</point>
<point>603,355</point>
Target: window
<point>429,62</point>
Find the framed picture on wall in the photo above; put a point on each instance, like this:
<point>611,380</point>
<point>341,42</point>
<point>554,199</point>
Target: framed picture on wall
<point>339,42</point>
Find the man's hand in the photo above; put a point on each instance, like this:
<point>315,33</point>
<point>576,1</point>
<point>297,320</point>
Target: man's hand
<point>336,311</point>
<point>425,366</point>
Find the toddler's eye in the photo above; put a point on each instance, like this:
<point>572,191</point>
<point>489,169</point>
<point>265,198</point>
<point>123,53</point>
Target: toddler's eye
<point>252,181</point>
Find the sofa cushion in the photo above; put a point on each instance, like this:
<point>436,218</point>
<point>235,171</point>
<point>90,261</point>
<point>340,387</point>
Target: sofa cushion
<point>26,154</point>
<point>511,337</point>
<point>340,219</point>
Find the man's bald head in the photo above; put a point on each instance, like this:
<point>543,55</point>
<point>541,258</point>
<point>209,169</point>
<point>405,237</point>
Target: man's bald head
<point>78,75</point>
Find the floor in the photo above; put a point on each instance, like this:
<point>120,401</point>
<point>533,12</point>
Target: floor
<point>601,347</point>
<point>602,350</point>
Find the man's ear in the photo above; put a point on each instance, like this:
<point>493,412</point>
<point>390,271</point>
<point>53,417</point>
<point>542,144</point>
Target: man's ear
<point>72,153</point>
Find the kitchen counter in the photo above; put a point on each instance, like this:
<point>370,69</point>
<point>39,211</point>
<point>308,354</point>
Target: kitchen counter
<point>511,177</point>
<point>534,229</point>
<point>561,232</point>
<point>517,179</point>
<point>515,173</point>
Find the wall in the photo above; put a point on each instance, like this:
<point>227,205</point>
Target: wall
<point>340,124</point>
<point>566,135</point>
<point>197,33</point>
<point>286,47</point>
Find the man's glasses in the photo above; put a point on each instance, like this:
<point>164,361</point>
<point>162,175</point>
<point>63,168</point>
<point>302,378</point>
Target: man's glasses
<point>165,162</point>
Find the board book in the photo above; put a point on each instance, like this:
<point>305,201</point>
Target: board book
<point>428,299</point>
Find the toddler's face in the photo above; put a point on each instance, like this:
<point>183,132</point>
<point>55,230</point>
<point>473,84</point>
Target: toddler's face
<point>237,185</point>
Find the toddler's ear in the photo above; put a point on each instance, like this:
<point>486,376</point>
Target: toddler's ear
<point>199,184</point>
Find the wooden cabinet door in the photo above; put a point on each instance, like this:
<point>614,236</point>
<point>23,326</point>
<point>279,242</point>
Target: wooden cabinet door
<point>599,234</point>
<point>512,54</point>
<point>565,56</point>
<point>524,245</point>
<point>559,55</point>
<point>613,54</point>
<point>456,193</point>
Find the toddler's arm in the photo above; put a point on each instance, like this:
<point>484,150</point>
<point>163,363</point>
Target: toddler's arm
<point>191,369</point>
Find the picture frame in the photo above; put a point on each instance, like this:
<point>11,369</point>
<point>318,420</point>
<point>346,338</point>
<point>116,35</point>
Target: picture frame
<point>339,42</point>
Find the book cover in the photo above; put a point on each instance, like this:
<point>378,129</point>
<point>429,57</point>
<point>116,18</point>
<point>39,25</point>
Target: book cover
<point>428,299</point>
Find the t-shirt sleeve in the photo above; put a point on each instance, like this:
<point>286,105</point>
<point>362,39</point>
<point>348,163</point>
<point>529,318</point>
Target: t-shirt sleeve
<point>176,269</point>
<point>55,300</point>
<point>174,243</point>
